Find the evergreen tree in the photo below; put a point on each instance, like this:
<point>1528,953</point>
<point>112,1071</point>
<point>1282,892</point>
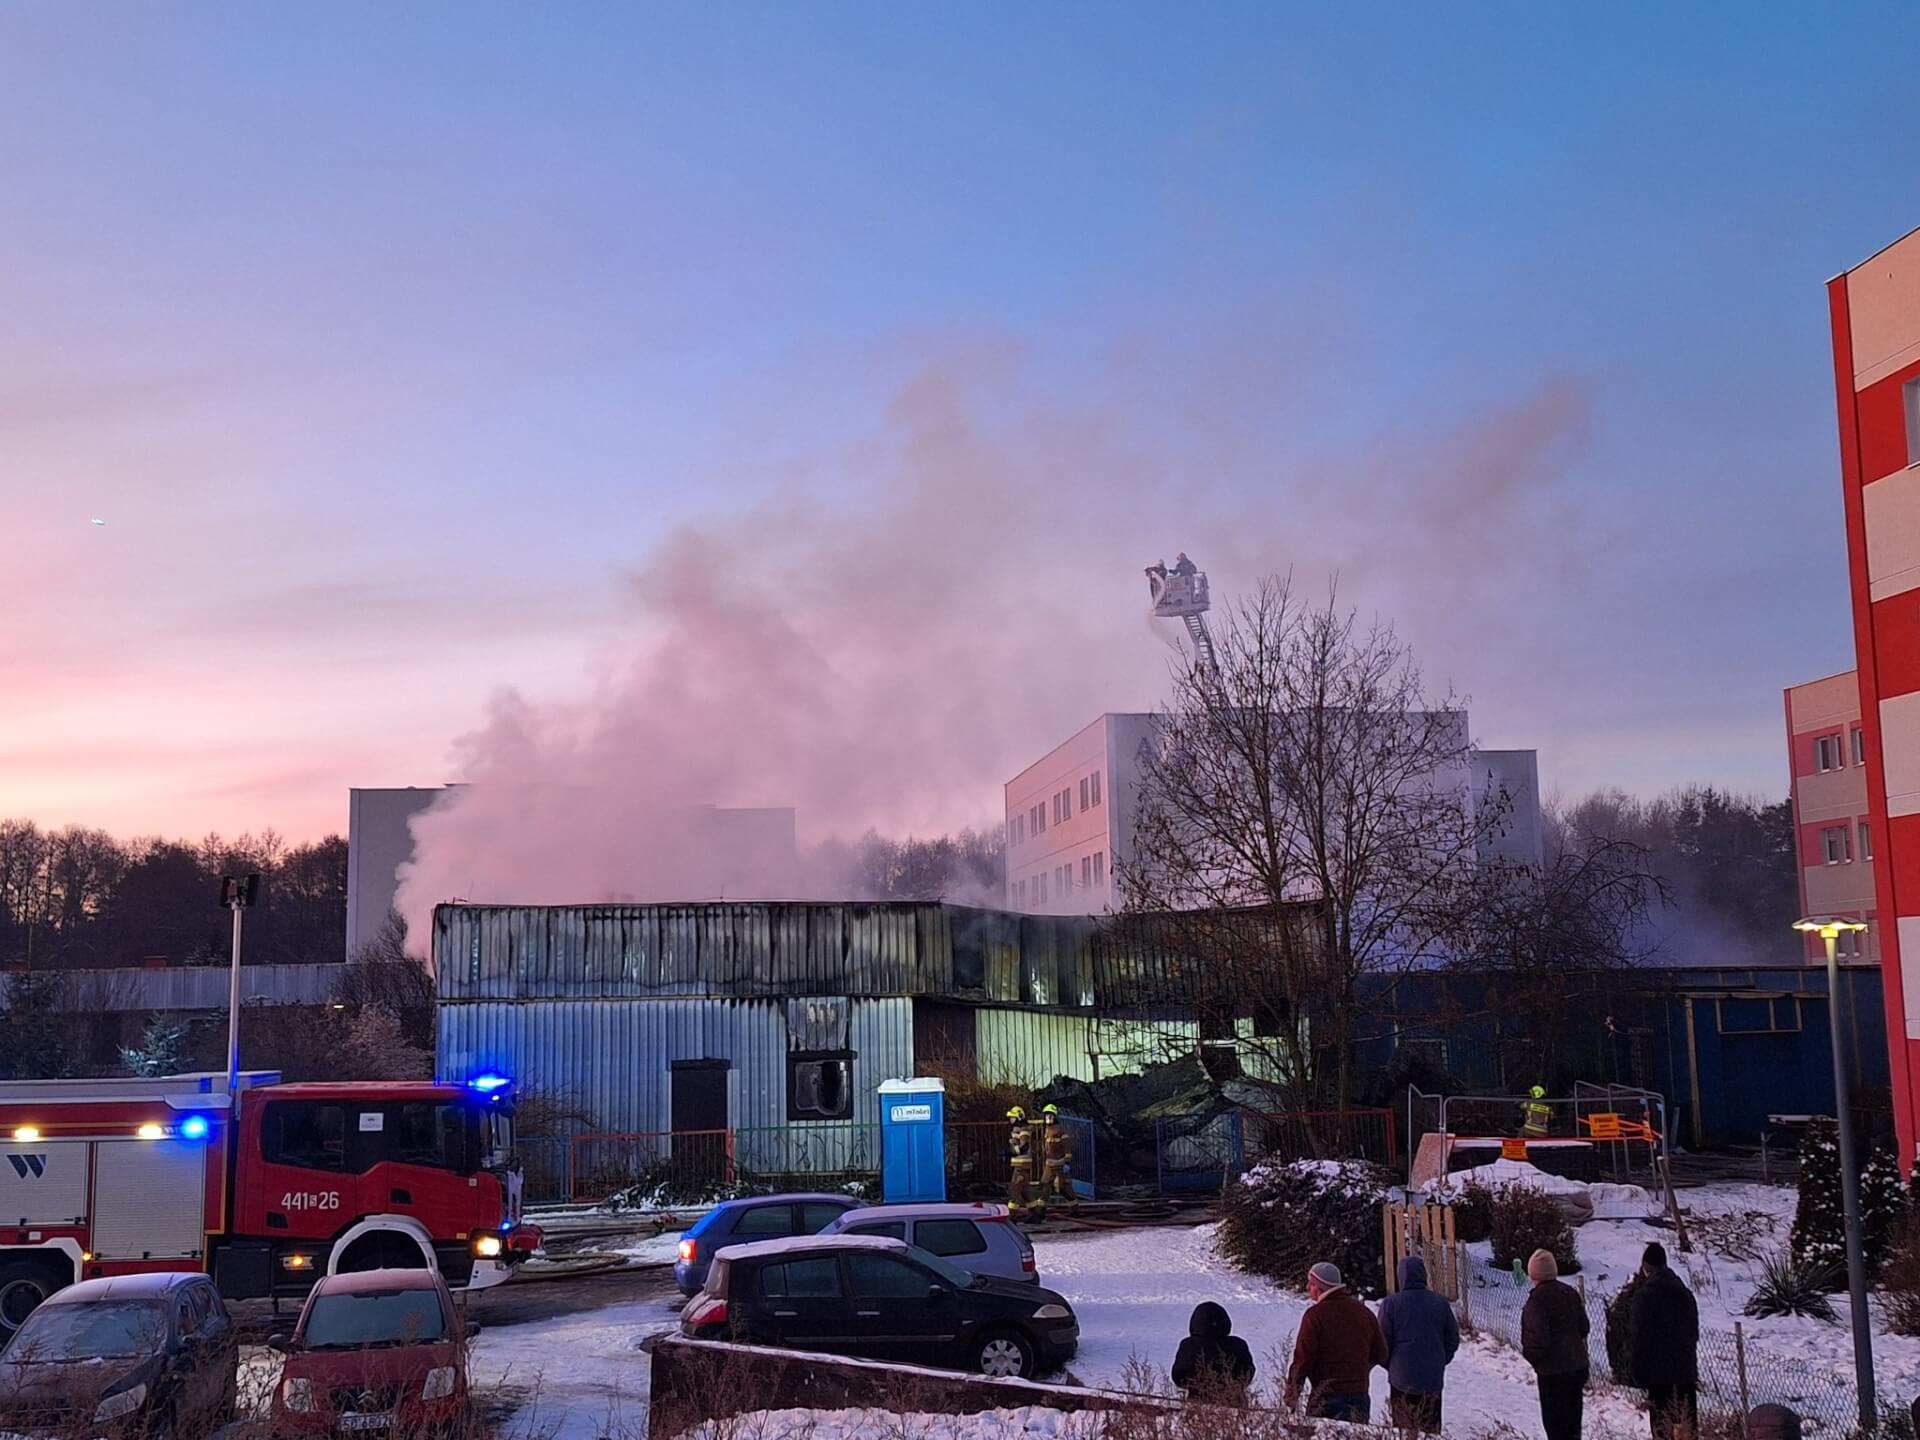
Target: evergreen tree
<point>162,1049</point>
<point>1819,1236</point>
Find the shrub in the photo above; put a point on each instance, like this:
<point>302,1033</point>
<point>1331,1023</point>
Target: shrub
<point>1526,1219</point>
<point>1472,1213</point>
<point>1818,1239</point>
<point>1790,1285</point>
<point>1279,1220</point>
<point>1619,1314</point>
<point>1900,1279</point>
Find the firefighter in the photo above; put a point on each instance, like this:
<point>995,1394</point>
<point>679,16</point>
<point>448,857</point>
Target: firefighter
<point>1536,1116</point>
<point>1019,1160</point>
<point>1056,1172</point>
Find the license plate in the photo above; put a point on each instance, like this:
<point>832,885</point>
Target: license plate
<point>352,1421</point>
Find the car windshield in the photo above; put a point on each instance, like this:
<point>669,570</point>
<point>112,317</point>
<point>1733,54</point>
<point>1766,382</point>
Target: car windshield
<point>355,1322</point>
<point>950,1273</point>
<point>108,1330</point>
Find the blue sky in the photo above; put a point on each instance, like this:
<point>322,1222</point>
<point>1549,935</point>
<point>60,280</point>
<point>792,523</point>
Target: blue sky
<point>399,345</point>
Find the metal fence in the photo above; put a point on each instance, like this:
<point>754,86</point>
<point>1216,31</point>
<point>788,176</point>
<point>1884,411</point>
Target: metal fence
<point>978,1157</point>
<point>1735,1375</point>
<point>1203,1152</point>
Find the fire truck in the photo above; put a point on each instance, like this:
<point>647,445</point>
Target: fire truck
<point>267,1188</point>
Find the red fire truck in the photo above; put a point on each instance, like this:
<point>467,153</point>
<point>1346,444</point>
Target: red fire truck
<point>115,1177</point>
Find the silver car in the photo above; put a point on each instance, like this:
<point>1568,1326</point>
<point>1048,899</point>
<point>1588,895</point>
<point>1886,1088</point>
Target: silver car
<point>980,1238</point>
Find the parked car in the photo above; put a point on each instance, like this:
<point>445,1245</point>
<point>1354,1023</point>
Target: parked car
<point>154,1354</point>
<point>980,1238</point>
<point>763,1217</point>
<point>880,1298</point>
<point>374,1350</point>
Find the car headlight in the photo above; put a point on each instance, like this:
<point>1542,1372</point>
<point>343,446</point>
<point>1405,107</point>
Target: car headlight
<point>297,1395</point>
<point>439,1384</point>
<point>1053,1312</point>
<point>486,1246</point>
<point>125,1403</point>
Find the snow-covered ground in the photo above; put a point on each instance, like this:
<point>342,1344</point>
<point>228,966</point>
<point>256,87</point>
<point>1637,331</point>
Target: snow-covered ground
<point>579,1377</point>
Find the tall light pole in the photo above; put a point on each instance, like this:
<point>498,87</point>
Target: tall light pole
<point>237,892</point>
<point>1829,928</point>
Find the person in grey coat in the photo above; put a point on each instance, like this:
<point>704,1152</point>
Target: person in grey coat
<point>1553,1338</point>
<point>1422,1336</point>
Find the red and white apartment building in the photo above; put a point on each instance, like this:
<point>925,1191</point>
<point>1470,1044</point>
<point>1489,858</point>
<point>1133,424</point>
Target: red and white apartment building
<point>1832,830</point>
<point>1875,310</point>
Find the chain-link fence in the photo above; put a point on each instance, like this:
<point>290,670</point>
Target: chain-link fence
<point>1204,1151</point>
<point>1735,1374</point>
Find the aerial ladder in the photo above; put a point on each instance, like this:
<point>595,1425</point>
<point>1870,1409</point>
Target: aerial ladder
<point>1181,594</point>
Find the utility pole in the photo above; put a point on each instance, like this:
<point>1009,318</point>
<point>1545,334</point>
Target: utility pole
<point>237,892</point>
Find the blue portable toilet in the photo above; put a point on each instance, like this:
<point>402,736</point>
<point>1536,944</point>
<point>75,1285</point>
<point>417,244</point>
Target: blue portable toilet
<point>913,1141</point>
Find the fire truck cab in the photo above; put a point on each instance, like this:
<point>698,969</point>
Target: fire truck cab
<point>266,1189</point>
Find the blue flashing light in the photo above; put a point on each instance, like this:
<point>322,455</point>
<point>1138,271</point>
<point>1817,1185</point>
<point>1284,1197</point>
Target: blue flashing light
<point>195,1127</point>
<point>488,1083</point>
<point>505,1226</point>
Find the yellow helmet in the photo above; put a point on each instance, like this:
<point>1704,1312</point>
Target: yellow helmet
<point>1049,1109</point>
<point>1539,1092</point>
<point>1016,1113</point>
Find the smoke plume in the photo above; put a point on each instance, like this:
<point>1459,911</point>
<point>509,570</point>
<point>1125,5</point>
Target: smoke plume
<point>969,596</point>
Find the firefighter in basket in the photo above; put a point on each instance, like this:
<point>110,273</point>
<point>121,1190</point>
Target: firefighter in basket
<point>1056,1155</point>
<point>1019,1160</point>
<point>1536,1116</point>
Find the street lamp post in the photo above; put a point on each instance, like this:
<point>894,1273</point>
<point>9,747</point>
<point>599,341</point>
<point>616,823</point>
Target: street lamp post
<point>1829,928</point>
<point>237,892</point>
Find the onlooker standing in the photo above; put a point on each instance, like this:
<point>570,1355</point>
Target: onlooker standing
<point>1213,1363</point>
<point>1553,1337</point>
<point>1422,1336</point>
<point>1338,1346</point>
<point>1775,1422</point>
<point>1665,1323</point>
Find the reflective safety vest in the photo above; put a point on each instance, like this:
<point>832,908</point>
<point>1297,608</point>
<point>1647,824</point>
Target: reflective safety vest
<point>1538,1118</point>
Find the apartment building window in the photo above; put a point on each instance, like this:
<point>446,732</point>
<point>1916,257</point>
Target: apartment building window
<point>1833,845</point>
<point>1866,842</point>
<point>1095,778</point>
<point>1099,867</point>
<point>1859,746</point>
<point>1910,394</point>
<point>1016,830</point>
<point>1063,877</point>
<point>1040,888</point>
<point>1086,872</point>
<point>1850,944</point>
<point>1039,818</point>
<point>1083,792</point>
<point>1826,752</point>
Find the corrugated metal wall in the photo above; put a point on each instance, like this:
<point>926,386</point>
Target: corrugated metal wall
<point>612,1057</point>
<point>1031,1047</point>
<point>198,987</point>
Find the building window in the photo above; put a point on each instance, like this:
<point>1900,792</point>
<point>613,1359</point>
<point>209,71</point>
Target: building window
<point>1910,394</point>
<point>1039,818</point>
<point>1083,792</point>
<point>1850,944</point>
<point>1859,746</point>
<point>820,1085</point>
<point>1086,872</point>
<point>1866,842</point>
<point>1040,888</point>
<point>1833,845</point>
<point>1826,752</point>
<point>1095,778</point>
<point>1099,867</point>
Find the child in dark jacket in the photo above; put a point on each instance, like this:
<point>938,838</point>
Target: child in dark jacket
<point>1213,1363</point>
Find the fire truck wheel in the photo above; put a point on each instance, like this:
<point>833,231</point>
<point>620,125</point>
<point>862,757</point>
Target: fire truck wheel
<point>382,1251</point>
<point>23,1285</point>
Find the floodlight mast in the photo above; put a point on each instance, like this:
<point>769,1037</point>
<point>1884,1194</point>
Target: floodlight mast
<point>1181,594</point>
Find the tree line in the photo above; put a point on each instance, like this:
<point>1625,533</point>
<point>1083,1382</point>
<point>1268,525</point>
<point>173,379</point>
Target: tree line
<point>78,898</point>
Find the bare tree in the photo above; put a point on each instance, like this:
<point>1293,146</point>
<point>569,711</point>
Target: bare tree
<point>1308,820</point>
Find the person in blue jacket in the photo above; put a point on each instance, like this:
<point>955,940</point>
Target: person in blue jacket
<point>1421,1335</point>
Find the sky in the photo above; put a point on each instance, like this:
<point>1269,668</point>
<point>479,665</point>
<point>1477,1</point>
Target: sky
<point>423,360</point>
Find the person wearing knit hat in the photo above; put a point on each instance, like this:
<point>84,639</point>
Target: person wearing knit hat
<point>1338,1345</point>
<point>1664,1326</point>
<point>1553,1338</point>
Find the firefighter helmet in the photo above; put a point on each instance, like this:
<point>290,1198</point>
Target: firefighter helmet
<point>1539,1092</point>
<point>1016,1113</point>
<point>1049,1109</point>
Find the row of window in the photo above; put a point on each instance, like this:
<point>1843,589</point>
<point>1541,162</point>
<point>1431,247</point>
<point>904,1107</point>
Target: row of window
<point>1059,882</point>
<point>1057,810</point>
<point>1836,843</point>
<point>1827,754</point>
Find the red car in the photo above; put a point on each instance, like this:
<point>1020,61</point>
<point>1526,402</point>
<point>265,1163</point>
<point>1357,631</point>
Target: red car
<point>380,1352</point>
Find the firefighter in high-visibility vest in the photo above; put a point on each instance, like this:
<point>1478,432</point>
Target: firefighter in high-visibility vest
<point>1056,1155</point>
<point>1019,1160</point>
<point>1536,1116</point>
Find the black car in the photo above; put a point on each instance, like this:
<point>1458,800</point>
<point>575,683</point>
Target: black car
<point>881,1299</point>
<point>137,1354</point>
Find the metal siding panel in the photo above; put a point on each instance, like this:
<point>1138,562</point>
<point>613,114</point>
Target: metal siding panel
<point>149,1198</point>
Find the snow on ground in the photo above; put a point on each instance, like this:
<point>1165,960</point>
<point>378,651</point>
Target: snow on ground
<point>650,1249</point>
<point>1135,1289</point>
<point>574,1377</point>
<point>887,1425</point>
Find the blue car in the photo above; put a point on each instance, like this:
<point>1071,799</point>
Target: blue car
<point>739,1222</point>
